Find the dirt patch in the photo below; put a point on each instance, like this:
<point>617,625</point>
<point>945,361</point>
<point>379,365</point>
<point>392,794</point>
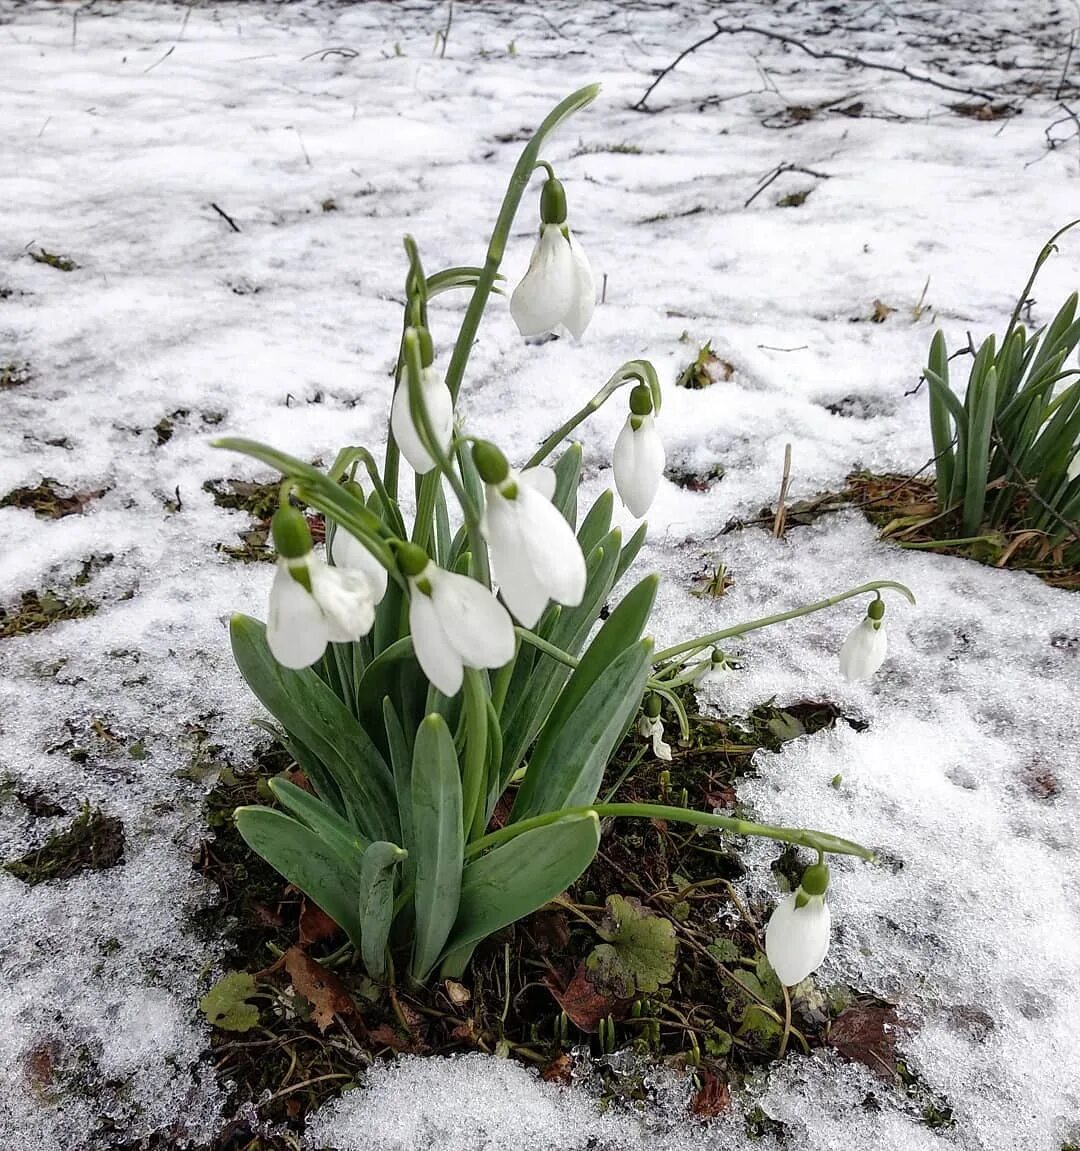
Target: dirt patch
<point>94,842</point>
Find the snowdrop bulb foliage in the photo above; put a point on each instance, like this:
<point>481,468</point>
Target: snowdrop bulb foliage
<point>455,622</point>
<point>311,604</point>
<point>440,410</point>
<point>534,552</point>
<point>865,648</point>
<point>638,459</point>
<point>558,287</point>
<point>797,937</point>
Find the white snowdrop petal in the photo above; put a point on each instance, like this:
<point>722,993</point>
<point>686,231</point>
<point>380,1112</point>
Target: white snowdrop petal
<point>345,599</point>
<point>348,552</point>
<point>476,624</point>
<point>296,629</point>
<point>541,479</point>
<point>548,289</point>
<point>580,312</point>
<point>440,409</point>
<point>863,651</point>
<point>437,658</point>
<point>638,462</point>
<point>521,591</point>
<point>552,548</point>
<point>797,938</point>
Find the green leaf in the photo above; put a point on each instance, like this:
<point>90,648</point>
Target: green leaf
<point>940,420</point>
<point>307,861</point>
<point>311,713</point>
<point>520,876</point>
<point>629,552</point>
<point>597,522</point>
<point>983,407</point>
<point>439,843</point>
<point>327,824</point>
<point>401,764</point>
<point>567,475</point>
<point>568,765</point>
<point>639,955</point>
<point>225,1004</point>
<point>377,903</point>
<point>380,679</point>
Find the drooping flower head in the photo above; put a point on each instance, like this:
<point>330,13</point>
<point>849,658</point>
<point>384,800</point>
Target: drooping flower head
<point>439,406</point>
<point>866,646</point>
<point>558,289</point>
<point>534,553</point>
<point>347,552</point>
<point>455,622</point>
<point>639,458</point>
<point>651,726</point>
<point>311,604</point>
<point>797,937</point>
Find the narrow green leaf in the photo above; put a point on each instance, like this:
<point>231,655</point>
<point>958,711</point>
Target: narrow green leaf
<point>597,522</point>
<point>381,679</point>
<point>940,419</point>
<point>336,832</point>
<point>401,765</point>
<point>629,552</point>
<point>567,476</point>
<point>567,766</point>
<point>377,903</point>
<point>310,712</point>
<point>438,839</point>
<point>307,861</point>
<point>984,405</point>
<point>520,876</point>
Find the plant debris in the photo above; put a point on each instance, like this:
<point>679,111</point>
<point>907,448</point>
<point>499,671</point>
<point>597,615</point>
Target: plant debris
<point>260,501</point>
<point>706,369</point>
<point>39,610</point>
<point>51,500</point>
<point>61,263</point>
<point>94,842</point>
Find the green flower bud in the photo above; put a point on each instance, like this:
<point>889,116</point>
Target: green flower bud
<point>876,610</point>
<point>490,462</point>
<point>641,400</point>
<point>292,537</point>
<point>552,203</point>
<point>652,706</point>
<point>815,880</point>
<point>411,559</point>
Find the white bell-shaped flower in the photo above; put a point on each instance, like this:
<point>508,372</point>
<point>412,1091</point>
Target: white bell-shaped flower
<point>638,459</point>
<point>349,553</point>
<point>653,728</point>
<point>534,552</point>
<point>865,648</point>
<point>440,410</point>
<point>456,623</point>
<point>559,287</point>
<point>797,937</point>
<point>311,604</point>
<point>715,671</point>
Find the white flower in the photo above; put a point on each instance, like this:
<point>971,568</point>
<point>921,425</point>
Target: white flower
<point>653,729</point>
<point>557,289</point>
<point>440,410</point>
<point>456,623</point>
<point>339,608</point>
<point>349,553</point>
<point>797,938</point>
<point>534,552</point>
<point>864,650</point>
<point>638,461</point>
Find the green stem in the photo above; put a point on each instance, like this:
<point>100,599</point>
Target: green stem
<point>519,181</point>
<point>930,545</point>
<point>637,370</point>
<point>820,841</point>
<point>1047,250</point>
<point>694,645</point>
<point>556,653</point>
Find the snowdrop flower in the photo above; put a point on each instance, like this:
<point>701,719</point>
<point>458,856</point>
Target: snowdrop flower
<point>534,551</point>
<point>559,287</point>
<point>865,647</point>
<point>797,938</point>
<point>638,458</point>
<point>716,670</point>
<point>349,553</point>
<point>455,622</point>
<point>651,726</point>
<point>438,404</point>
<point>311,604</point>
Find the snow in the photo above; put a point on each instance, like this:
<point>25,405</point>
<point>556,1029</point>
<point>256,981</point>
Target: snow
<point>125,123</point>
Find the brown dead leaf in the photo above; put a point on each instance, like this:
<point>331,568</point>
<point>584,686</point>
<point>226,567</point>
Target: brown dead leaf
<point>298,779</point>
<point>458,994</point>
<point>867,1034</point>
<point>559,1070</point>
<point>319,986</point>
<point>315,924</point>
<point>385,1036</point>
<point>584,1003</point>
<point>550,932</point>
<point>713,1098</point>
<point>881,312</point>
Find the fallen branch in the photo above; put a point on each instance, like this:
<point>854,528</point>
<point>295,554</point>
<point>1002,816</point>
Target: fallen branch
<point>777,172</point>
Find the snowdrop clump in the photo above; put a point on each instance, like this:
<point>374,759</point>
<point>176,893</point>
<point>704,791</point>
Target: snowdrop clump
<point>479,617</point>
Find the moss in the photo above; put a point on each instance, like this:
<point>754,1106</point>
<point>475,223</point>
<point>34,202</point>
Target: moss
<point>13,375</point>
<point>51,500</point>
<point>94,842</point>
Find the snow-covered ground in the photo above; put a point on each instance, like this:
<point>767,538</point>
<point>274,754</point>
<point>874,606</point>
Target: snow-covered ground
<point>326,132</point>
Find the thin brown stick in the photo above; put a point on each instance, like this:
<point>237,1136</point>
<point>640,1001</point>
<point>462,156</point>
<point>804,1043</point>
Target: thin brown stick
<point>781,504</point>
<point>777,172</point>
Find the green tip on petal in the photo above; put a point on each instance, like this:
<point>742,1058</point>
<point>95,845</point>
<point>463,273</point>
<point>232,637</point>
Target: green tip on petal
<point>292,536</point>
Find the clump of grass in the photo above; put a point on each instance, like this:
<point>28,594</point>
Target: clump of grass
<point>94,842</point>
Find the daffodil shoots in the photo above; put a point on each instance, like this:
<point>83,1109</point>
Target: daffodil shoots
<point>475,647</point>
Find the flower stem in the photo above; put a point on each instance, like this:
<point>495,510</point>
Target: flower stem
<point>703,641</point>
<point>820,841</point>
